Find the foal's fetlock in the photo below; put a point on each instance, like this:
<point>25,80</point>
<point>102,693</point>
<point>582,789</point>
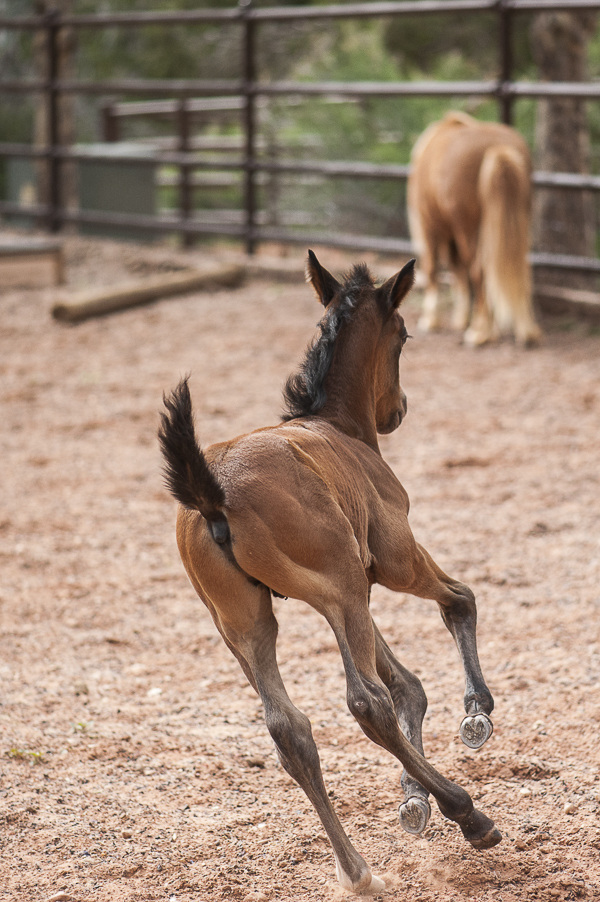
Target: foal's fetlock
<point>414,814</point>
<point>476,827</point>
<point>479,830</point>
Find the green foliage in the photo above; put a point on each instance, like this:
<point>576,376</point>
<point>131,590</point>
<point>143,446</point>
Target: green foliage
<point>380,130</point>
<point>421,42</point>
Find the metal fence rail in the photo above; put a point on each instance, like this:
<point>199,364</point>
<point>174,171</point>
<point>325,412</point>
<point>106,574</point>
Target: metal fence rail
<point>244,93</point>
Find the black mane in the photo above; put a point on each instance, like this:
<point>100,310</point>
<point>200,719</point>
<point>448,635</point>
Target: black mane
<point>304,392</point>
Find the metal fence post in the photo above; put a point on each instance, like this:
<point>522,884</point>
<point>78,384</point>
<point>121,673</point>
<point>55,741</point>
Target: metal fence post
<point>110,123</point>
<point>53,100</point>
<point>185,181</point>
<point>506,61</point>
<point>249,76</point>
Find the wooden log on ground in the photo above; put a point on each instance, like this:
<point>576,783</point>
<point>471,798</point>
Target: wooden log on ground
<point>133,294</point>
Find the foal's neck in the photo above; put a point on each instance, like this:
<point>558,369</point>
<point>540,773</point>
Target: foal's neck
<point>350,404</point>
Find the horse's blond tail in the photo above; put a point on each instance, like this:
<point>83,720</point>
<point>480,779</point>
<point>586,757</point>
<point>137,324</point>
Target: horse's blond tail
<point>505,196</point>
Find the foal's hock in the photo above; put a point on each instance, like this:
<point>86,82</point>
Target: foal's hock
<point>308,509</point>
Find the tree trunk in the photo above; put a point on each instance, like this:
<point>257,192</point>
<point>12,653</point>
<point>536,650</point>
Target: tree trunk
<point>564,221</point>
<point>66,106</point>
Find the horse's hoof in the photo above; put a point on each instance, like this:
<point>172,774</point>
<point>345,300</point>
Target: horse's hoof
<point>414,814</point>
<point>531,340</point>
<point>474,338</point>
<point>491,839</point>
<point>475,730</point>
<point>364,884</point>
<point>377,885</point>
<point>480,830</point>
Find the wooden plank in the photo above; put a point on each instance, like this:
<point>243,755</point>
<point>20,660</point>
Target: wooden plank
<point>31,269</point>
<point>133,294</point>
<point>556,299</point>
<point>11,245</point>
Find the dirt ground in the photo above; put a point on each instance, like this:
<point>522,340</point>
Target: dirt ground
<point>134,760</point>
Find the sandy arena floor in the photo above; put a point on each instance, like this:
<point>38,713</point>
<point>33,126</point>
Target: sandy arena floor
<point>134,761</point>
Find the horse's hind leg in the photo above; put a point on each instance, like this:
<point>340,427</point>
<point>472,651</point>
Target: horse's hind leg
<point>371,705</point>
<point>430,314</point>
<point>410,704</point>
<point>243,614</point>
<point>482,328</point>
<point>459,613</point>
<point>461,313</point>
<point>292,735</point>
<point>429,266</point>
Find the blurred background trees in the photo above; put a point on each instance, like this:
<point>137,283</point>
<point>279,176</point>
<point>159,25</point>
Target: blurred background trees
<point>553,45</point>
<point>564,221</point>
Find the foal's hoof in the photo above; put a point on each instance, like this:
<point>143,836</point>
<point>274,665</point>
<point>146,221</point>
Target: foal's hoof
<point>414,814</point>
<point>480,830</point>
<point>475,730</point>
<point>364,884</point>
<point>491,839</point>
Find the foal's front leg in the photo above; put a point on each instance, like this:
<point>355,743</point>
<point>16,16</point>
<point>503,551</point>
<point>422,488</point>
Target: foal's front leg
<point>459,613</point>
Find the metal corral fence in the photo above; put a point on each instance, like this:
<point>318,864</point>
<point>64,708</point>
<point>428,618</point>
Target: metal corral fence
<point>248,91</point>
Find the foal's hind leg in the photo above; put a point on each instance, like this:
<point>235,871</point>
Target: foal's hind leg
<point>243,614</point>
<point>370,703</point>
<point>292,735</point>
<point>459,613</point>
<point>410,704</point>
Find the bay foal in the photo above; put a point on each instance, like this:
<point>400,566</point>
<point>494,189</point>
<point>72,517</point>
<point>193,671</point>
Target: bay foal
<point>308,509</point>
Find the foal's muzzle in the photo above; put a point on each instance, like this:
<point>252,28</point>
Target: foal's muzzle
<point>402,407</point>
<point>395,417</point>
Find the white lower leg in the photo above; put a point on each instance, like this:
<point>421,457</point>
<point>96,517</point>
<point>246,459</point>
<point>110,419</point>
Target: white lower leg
<point>482,328</point>
<point>462,307</point>
<point>430,318</point>
<point>366,886</point>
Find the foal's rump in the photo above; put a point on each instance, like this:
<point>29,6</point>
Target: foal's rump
<point>288,528</point>
<point>285,525</point>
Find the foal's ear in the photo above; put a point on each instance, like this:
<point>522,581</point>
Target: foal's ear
<point>397,287</point>
<point>323,282</point>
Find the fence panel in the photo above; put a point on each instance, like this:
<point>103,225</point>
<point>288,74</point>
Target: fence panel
<point>245,92</point>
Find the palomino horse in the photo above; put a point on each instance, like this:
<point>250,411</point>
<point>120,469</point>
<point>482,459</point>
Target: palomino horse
<point>308,509</point>
<point>469,199</point>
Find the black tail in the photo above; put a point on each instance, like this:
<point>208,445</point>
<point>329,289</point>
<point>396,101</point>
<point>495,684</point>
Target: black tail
<point>186,471</point>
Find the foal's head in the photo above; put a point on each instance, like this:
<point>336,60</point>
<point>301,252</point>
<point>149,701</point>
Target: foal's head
<point>353,366</point>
